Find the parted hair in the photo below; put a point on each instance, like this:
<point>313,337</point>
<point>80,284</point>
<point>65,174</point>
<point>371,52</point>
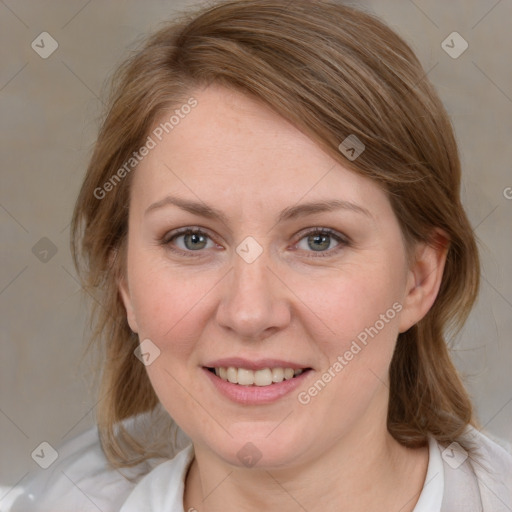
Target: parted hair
<point>332,71</point>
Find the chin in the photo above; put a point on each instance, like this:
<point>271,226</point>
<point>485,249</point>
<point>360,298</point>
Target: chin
<point>258,449</point>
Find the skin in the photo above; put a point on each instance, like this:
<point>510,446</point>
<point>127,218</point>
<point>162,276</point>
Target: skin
<point>292,303</point>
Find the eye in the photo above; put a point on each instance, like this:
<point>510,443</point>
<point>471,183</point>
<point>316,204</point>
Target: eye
<point>187,240</point>
<point>322,240</point>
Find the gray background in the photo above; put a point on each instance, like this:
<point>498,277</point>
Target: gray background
<point>49,110</point>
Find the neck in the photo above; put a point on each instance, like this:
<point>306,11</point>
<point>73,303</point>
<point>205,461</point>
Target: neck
<point>358,473</point>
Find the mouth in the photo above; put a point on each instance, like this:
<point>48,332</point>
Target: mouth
<point>255,381</point>
<point>256,378</point>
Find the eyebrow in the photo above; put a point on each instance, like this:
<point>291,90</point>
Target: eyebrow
<point>292,212</point>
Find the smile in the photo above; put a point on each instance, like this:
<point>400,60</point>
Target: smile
<point>263,377</point>
<point>265,383</point>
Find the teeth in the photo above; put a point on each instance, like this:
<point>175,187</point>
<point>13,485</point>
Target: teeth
<point>245,377</point>
<point>264,377</point>
<point>232,375</point>
<point>277,375</point>
<point>288,373</point>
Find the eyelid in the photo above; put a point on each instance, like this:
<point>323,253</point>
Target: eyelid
<point>322,230</point>
<point>168,237</point>
<point>343,240</point>
<point>183,231</point>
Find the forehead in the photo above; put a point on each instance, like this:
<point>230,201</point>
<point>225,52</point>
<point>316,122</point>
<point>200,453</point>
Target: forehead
<point>231,149</point>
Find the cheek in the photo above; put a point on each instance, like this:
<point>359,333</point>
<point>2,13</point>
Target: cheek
<point>357,324</point>
<point>172,309</point>
<point>361,315</point>
<point>349,301</point>
<point>169,303</point>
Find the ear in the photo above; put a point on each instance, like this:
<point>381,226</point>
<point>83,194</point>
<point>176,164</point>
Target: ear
<point>124,292</point>
<point>424,279</point>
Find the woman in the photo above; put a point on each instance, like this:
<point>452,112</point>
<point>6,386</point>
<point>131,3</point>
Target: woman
<point>272,229</point>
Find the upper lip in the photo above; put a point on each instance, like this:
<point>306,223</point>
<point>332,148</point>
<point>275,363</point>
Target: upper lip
<point>253,364</point>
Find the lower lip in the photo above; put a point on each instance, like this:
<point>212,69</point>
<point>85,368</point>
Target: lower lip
<point>255,395</point>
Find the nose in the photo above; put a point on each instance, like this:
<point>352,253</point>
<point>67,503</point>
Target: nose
<point>254,303</point>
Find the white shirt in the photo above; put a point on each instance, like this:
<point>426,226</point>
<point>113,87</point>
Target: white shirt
<point>155,493</point>
<point>81,481</point>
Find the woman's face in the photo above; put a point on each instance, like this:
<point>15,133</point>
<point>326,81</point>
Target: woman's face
<point>270,281</point>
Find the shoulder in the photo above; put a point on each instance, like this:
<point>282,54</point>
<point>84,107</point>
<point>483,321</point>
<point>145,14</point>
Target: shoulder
<point>496,450</point>
<point>477,470</point>
<point>77,480</point>
<point>492,464</point>
<point>81,479</point>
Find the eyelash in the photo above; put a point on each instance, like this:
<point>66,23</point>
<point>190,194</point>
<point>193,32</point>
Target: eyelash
<point>342,240</point>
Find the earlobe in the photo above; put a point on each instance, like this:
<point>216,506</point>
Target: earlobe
<point>123,288</point>
<point>124,292</point>
<point>424,279</point>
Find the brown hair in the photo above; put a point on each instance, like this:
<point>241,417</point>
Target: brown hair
<point>332,71</point>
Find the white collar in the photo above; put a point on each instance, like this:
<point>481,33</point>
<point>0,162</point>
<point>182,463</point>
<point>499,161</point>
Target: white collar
<point>431,495</point>
<point>163,488</point>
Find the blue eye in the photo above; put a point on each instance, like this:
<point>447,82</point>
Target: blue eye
<point>187,241</point>
<point>321,241</point>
